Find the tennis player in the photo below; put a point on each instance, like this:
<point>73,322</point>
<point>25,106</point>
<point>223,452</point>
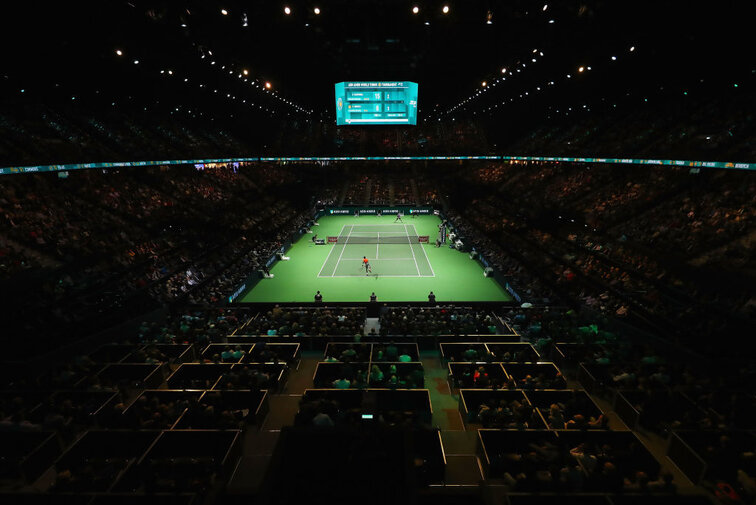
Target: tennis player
<point>366,264</point>
<point>398,217</point>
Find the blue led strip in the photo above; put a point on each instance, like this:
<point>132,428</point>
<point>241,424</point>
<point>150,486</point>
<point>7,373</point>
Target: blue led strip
<point>621,161</point>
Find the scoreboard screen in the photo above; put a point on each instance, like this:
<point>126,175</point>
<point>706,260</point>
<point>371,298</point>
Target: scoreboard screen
<point>376,103</point>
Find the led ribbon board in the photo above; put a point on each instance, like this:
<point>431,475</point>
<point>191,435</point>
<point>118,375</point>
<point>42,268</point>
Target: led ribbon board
<point>376,103</point>
<point>728,165</point>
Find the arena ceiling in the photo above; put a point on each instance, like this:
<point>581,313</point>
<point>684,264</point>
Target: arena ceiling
<point>198,54</point>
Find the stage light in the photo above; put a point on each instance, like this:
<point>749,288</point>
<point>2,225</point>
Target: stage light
<point>503,70</point>
<point>287,10</point>
<point>427,23</point>
<point>489,18</point>
<point>245,72</point>
<point>484,84</point>
<point>415,9</point>
<point>119,52</point>
<point>445,9</point>
<point>170,72</point>
<point>632,48</point>
<point>581,69</point>
<point>545,7</point>
<point>224,12</point>
<point>267,85</point>
<point>551,21</point>
<point>136,62</point>
<point>614,58</point>
<point>316,10</point>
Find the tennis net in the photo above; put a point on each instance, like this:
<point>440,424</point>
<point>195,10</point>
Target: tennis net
<point>379,239</point>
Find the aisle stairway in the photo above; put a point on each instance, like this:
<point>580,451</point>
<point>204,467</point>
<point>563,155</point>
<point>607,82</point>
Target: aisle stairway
<point>464,476</point>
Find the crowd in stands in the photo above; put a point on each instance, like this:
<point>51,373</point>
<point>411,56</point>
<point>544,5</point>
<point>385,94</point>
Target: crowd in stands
<point>443,320</point>
<point>119,241</point>
<point>546,466</point>
<point>307,321</point>
<point>643,244</point>
<point>387,185</point>
<point>199,327</point>
<point>713,122</point>
<point>14,259</point>
<point>328,413</point>
<point>505,414</point>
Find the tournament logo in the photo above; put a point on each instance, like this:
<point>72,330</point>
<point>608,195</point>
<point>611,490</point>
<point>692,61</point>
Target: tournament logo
<point>340,103</point>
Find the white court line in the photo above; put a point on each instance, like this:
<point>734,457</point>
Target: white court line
<point>389,224</point>
<point>342,251</point>
<point>380,259</point>
<point>329,254</point>
<point>413,250</point>
<point>380,275</point>
<point>376,245</point>
<point>426,254</point>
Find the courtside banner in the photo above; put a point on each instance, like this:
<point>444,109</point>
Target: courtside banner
<point>375,209</point>
<point>333,240</point>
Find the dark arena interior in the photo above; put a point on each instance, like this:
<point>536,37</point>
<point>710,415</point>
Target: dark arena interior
<point>377,252</point>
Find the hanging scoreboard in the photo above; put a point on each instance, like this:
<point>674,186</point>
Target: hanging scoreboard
<point>376,103</point>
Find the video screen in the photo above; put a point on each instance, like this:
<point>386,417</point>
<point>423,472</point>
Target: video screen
<point>378,103</point>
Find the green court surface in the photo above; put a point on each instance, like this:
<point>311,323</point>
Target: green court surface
<point>402,268</point>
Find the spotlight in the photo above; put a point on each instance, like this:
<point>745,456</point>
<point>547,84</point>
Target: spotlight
<point>287,10</point>
<point>415,9</point>
<point>267,85</point>
<point>484,84</point>
<point>316,10</point>
<point>224,12</point>
<point>245,72</point>
<point>445,10</point>
<point>489,18</point>
<point>503,70</point>
<point>119,52</point>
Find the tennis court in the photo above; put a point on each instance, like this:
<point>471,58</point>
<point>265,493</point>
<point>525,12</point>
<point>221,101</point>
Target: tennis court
<point>406,265</point>
<point>397,253</point>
